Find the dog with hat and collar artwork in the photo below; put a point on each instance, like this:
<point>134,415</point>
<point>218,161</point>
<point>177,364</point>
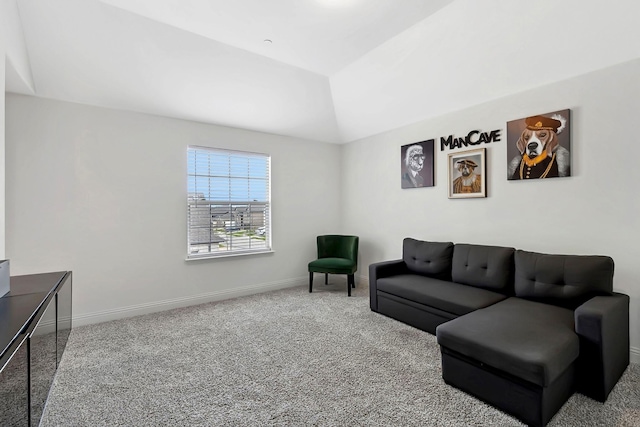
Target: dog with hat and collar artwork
<point>538,146</point>
<point>467,174</point>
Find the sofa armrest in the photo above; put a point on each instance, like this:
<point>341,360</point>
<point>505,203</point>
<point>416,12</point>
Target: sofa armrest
<point>602,324</point>
<point>382,269</point>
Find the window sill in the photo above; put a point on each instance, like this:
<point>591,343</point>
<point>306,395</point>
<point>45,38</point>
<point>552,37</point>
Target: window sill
<point>233,254</point>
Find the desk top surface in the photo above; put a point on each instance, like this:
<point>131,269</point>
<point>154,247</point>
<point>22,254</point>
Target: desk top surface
<point>26,295</point>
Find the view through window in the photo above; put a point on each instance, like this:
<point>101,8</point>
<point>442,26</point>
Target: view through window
<point>228,202</point>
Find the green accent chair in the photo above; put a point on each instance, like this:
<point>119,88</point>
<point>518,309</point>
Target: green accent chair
<point>336,255</point>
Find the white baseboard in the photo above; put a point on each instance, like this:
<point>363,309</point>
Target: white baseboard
<point>141,309</point>
<point>635,355</point>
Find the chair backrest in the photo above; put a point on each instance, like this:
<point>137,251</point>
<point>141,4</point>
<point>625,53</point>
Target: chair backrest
<point>337,246</point>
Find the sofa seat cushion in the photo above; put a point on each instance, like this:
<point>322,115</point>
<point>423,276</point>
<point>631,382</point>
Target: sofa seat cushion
<point>447,296</point>
<point>530,340</point>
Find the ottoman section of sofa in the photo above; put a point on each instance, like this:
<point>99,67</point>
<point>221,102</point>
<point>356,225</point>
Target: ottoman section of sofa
<point>517,355</point>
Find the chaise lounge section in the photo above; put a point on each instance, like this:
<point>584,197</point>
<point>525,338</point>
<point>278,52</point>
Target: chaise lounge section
<point>520,330</point>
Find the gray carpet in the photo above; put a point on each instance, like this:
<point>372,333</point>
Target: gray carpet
<point>281,358</point>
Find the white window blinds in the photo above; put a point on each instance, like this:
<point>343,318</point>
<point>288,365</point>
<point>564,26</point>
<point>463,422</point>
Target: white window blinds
<point>228,202</point>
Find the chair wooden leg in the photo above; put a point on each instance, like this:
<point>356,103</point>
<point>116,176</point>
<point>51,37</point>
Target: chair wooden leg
<point>349,281</point>
<point>310,281</point>
<point>326,278</point>
<point>353,281</point>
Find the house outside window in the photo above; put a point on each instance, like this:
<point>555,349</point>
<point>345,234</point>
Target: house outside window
<point>228,202</point>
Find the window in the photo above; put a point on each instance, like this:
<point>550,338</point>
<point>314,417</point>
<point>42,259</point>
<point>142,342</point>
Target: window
<point>228,202</point>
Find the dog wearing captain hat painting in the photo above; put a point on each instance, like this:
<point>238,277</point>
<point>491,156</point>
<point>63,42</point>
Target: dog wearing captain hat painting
<point>540,152</point>
<point>468,181</point>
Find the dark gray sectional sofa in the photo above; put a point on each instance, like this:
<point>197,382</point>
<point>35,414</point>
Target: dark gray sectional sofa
<point>520,330</point>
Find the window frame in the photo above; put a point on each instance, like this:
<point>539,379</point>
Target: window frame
<point>197,205</point>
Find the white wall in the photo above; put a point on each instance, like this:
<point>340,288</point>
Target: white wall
<point>18,66</point>
<point>14,73</point>
<point>475,51</point>
<point>2,146</point>
<point>92,53</point>
<point>102,192</point>
<point>595,211</point>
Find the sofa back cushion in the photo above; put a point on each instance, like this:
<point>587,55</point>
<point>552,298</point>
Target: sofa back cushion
<point>431,259</point>
<point>563,280</point>
<point>489,267</point>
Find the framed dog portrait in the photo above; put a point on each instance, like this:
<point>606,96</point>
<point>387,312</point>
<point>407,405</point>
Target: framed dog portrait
<point>538,146</point>
<point>417,164</point>
<point>467,174</point>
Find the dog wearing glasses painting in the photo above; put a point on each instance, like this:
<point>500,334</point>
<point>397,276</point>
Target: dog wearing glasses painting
<point>417,165</point>
<point>540,153</point>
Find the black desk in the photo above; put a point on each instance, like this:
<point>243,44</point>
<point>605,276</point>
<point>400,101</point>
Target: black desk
<point>35,322</point>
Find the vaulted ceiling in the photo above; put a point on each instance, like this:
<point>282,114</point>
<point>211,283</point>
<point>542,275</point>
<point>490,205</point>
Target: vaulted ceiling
<point>324,70</point>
